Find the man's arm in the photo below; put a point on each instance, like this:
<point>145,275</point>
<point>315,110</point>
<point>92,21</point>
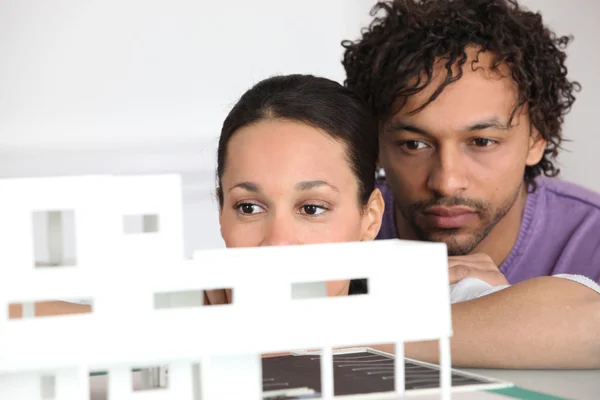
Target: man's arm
<point>540,323</point>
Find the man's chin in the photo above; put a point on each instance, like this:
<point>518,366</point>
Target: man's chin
<point>459,244</point>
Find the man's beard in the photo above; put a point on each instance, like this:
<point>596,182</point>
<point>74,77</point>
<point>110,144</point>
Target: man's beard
<point>487,215</point>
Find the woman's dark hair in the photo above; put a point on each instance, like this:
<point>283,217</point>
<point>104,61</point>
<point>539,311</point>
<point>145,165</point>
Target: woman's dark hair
<point>410,35</point>
<point>318,102</point>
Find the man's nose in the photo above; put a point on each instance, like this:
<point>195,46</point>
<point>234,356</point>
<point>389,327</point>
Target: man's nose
<point>449,176</point>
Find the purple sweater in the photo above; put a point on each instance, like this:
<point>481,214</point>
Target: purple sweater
<point>560,232</point>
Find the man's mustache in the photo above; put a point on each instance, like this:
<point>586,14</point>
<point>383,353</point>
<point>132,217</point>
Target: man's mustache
<point>424,205</point>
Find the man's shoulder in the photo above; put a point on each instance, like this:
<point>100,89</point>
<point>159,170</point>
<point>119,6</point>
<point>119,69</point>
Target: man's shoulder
<point>560,233</point>
<point>562,193</point>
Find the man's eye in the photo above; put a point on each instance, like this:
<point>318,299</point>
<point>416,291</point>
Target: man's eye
<point>249,208</point>
<point>413,144</point>
<point>483,142</point>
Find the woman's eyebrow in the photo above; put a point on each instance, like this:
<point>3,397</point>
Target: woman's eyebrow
<point>307,185</point>
<point>249,186</point>
<point>301,186</point>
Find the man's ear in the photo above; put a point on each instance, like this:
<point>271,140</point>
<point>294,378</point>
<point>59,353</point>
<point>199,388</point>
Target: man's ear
<point>373,216</point>
<point>537,146</point>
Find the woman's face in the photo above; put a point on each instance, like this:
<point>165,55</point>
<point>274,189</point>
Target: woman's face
<point>287,183</point>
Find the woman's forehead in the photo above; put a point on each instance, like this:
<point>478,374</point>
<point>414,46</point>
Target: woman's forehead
<point>276,150</point>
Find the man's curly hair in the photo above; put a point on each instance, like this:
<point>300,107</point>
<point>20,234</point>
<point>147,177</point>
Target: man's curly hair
<point>408,36</point>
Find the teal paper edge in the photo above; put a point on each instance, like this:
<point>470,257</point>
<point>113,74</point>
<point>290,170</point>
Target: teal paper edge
<point>517,392</point>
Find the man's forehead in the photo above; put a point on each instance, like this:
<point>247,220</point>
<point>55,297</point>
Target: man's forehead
<point>472,97</point>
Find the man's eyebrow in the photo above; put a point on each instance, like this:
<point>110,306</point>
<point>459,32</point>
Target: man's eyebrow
<point>396,126</point>
<point>307,185</point>
<point>249,186</point>
<point>494,123</point>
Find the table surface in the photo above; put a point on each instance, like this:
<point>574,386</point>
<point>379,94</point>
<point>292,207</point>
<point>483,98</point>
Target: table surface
<point>572,384</point>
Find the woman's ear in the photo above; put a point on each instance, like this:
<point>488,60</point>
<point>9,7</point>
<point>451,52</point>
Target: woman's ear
<point>373,216</point>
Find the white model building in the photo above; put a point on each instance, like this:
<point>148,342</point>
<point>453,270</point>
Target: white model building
<point>147,300</point>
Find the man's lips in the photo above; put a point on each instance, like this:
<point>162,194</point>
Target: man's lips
<point>449,217</point>
<point>448,211</point>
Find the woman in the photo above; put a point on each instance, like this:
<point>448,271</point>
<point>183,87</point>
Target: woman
<point>295,165</point>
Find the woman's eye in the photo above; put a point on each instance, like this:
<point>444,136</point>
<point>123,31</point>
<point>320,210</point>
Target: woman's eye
<point>249,208</point>
<point>483,142</point>
<point>313,209</point>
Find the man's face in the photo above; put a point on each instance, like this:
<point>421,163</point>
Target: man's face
<point>456,168</point>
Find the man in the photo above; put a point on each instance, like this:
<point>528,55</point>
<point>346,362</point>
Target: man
<point>471,95</point>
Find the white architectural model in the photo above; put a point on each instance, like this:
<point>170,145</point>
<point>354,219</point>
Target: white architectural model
<point>212,352</point>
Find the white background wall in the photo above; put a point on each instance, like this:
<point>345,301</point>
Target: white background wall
<point>142,86</point>
<point>579,161</point>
